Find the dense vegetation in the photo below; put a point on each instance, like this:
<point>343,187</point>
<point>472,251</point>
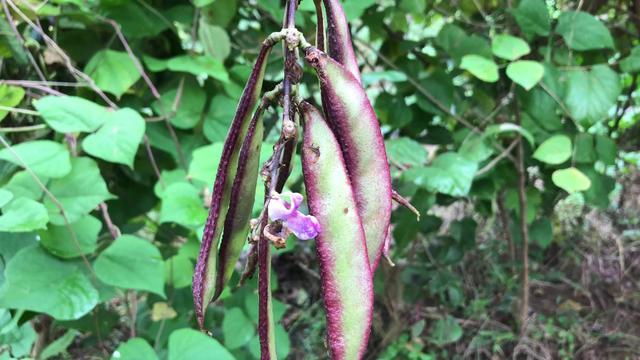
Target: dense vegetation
<point>512,126</point>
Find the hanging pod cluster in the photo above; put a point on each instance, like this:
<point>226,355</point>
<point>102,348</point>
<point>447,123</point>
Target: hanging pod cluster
<point>346,176</point>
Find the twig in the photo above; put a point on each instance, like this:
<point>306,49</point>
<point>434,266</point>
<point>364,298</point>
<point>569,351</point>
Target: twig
<point>497,159</point>
<point>33,61</point>
<point>524,230</point>
<point>504,221</point>
<point>67,60</point>
<point>23,128</point>
<point>113,230</point>
<point>53,199</point>
<point>19,110</point>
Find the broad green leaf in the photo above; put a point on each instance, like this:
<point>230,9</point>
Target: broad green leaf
<point>480,67</point>
<point>60,345</point>
<point>219,118</point>
<point>475,148</point>
<point>219,12</point>
<point>630,64</point>
<point>582,31</point>
<point>526,73</point>
<point>131,263</point>
<point>46,158</point>
<point>118,139</point>
<point>571,180</point>
<point>10,96</point>
<point>446,331</point>
<point>214,39</point>
<point>584,150</point>
<point>169,177</point>
<point>182,204</point>
<point>373,77</point>
<point>204,163</point>
<point>237,329</point>
<point>555,150</point>
<point>606,149</point>
<point>189,344</point>
<point>78,193</point>
<point>192,102</point>
<point>67,114</point>
<point>541,232</point>
<point>199,66</point>
<point>440,86</point>
<point>19,339</point>
<point>592,93</point>
<point>59,241</point>
<point>154,64</point>
<point>134,349</point>
<point>179,271</point>
<point>22,184</point>
<point>458,44</point>
<point>404,151</point>
<point>135,19</point>
<point>5,197</point>
<point>509,47</point>
<point>354,8</point>
<point>112,71</point>
<point>23,214</point>
<point>598,194</point>
<point>37,281</point>
<point>532,17</point>
<point>449,173</point>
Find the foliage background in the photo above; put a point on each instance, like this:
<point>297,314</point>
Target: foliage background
<point>491,109</point>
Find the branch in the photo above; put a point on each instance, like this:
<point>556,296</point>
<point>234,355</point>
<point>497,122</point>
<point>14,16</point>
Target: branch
<point>7,13</point>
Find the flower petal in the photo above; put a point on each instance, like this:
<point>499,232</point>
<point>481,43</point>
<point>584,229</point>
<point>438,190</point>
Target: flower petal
<point>304,227</point>
<point>280,209</point>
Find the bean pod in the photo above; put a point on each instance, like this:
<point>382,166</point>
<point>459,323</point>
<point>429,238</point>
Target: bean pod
<point>342,253</point>
<point>358,132</point>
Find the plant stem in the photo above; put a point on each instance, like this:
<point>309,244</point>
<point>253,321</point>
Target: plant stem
<point>524,230</point>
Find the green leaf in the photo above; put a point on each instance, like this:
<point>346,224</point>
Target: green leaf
<point>404,151</point>
<point>584,151</point>
<point>582,31</point>
<point>118,139</point>
<point>592,93</point>
<point>571,180</point>
<point>135,19</point>
<point>60,345</point>
<point>446,331</point>
<point>214,39</point>
<point>449,173</point>
<point>475,148</point>
<point>179,271</point>
<point>37,281</point>
<point>189,344</point>
<point>374,77</point>
<point>66,114</point>
<point>23,214</point>
<point>555,150</point>
<point>5,197</point>
<point>189,112</point>
<point>131,263</point>
<point>199,66</point>
<point>78,193</point>
<point>236,328</point>
<point>204,162</point>
<point>46,158</point>
<point>532,17</point>
<point>134,349</point>
<point>58,240</point>
<point>23,185</point>
<point>182,204</point>
<point>509,47</point>
<point>606,149</point>
<point>481,67</point>
<point>630,64</point>
<point>218,119</point>
<point>600,189</point>
<point>526,73</point>
<point>541,232</point>
<point>503,128</point>
<point>10,96</point>
<point>354,8</point>
<point>112,71</point>
<point>219,12</point>
<point>169,177</point>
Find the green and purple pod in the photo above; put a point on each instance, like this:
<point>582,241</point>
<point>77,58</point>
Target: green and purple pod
<point>204,278</point>
<point>236,224</point>
<point>347,284</point>
<point>339,45</point>
<point>358,132</point>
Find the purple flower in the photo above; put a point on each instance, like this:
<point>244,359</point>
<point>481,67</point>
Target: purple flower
<point>284,207</point>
